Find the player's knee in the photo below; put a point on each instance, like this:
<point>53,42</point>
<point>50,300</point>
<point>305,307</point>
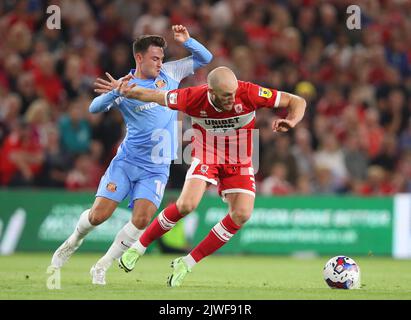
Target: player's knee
<point>241,215</point>
<point>97,216</point>
<point>141,221</point>
<point>185,206</point>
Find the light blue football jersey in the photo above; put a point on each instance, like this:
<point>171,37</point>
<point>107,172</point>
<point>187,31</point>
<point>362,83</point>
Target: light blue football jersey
<point>141,166</point>
<point>151,138</point>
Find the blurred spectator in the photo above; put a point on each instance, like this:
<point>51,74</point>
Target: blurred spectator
<point>355,158</point>
<point>332,103</point>
<point>75,11</point>
<point>84,176</point>
<point>394,116</point>
<point>281,152</point>
<point>13,66</point>
<point>404,169</point>
<point>9,114</point>
<point>276,183</point>
<point>19,39</point>
<point>119,60</point>
<point>405,138</point>
<point>74,82</point>
<point>304,185</point>
<point>74,129</point>
<point>56,162</point>
<point>47,81</point>
<point>371,133</point>
<point>303,152</point>
<point>22,156</point>
<point>377,182</point>
<point>110,25</point>
<point>154,21</point>
<point>307,91</point>
<point>27,90</point>
<point>328,22</point>
<point>324,181</point>
<point>331,157</point>
<point>388,156</point>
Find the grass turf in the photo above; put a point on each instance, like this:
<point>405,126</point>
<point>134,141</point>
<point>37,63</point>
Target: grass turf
<point>23,276</point>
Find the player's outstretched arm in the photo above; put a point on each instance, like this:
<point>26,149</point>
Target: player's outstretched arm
<point>132,91</point>
<point>296,105</point>
<point>201,56</point>
<point>108,96</point>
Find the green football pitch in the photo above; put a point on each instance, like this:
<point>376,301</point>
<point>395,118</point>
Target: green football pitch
<point>24,276</point>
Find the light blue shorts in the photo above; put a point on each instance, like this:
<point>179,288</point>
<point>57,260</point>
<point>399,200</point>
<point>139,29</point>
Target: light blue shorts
<point>123,179</point>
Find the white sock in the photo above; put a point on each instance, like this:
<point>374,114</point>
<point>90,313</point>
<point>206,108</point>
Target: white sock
<point>83,227</point>
<point>189,260</point>
<point>139,247</point>
<point>125,238</point>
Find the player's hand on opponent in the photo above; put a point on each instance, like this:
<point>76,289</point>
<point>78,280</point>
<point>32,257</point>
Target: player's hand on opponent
<point>180,33</point>
<point>104,86</point>
<point>282,125</point>
<point>127,90</point>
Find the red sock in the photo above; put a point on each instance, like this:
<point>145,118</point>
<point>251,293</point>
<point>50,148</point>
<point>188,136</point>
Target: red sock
<point>218,236</point>
<point>165,220</point>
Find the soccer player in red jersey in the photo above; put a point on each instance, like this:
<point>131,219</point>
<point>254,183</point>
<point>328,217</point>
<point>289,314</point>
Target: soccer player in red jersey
<point>223,116</point>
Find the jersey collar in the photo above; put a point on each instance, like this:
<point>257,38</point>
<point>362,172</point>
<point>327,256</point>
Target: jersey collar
<point>132,71</point>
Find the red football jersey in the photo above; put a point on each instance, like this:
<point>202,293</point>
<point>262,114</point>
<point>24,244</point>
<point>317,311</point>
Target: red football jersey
<point>223,137</point>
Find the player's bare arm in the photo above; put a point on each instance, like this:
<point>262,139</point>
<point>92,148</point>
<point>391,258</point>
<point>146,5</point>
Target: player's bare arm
<point>296,106</point>
<point>132,91</point>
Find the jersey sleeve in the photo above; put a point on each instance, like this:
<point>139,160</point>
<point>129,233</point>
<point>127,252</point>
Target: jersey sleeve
<point>182,68</point>
<point>261,97</point>
<point>179,69</point>
<point>105,102</point>
<point>177,99</point>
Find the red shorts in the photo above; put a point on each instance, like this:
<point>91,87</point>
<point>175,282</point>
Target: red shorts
<point>228,178</point>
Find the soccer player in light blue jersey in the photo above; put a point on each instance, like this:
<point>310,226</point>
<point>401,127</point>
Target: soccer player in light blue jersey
<point>141,166</point>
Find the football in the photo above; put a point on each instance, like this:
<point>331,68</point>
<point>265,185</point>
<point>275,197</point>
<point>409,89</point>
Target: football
<point>341,272</point>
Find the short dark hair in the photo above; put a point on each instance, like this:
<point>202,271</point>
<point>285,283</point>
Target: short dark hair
<point>142,43</point>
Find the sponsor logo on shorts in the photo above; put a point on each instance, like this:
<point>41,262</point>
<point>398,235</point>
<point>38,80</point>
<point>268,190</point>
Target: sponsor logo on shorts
<point>111,186</point>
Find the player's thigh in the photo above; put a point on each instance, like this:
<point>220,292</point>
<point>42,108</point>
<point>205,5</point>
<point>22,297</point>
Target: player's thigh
<point>149,187</point>
<point>115,183</point>
<point>191,195</point>
<point>101,210</point>
<point>241,206</point>
<point>143,211</point>
<point>199,176</point>
<point>236,180</point>
<point>113,188</point>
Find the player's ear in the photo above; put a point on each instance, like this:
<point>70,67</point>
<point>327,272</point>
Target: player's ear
<point>138,57</point>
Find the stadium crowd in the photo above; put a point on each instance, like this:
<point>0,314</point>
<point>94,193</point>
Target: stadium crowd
<point>356,135</point>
